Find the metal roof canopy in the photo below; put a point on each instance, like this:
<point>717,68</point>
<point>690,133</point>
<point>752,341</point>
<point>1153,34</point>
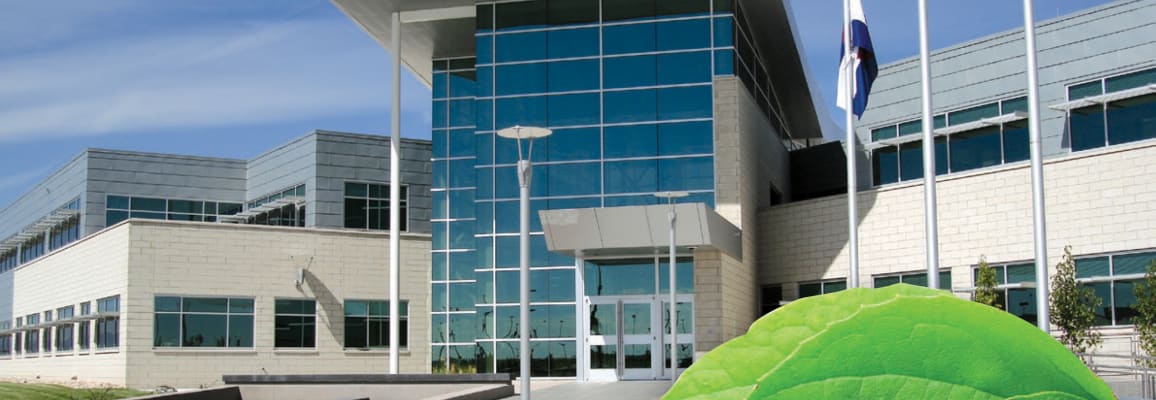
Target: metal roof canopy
<point>38,228</point>
<point>1105,98</point>
<point>948,130</point>
<point>445,29</point>
<point>634,230</point>
<point>261,209</point>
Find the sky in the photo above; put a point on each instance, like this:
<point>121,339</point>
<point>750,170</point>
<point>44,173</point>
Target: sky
<point>227,78</point>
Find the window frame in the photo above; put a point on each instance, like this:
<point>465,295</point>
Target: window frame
<point>822,286</point>
<point>403,307</point>
<point>228,315</point>
<point>1112,279</point>
<point>1104,108</point>
<point>403,203</point>
<point>908,274</point>
<point>312,346</point>
<point>107,324</point>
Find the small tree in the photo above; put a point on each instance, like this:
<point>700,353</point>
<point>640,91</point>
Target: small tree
<point>985,283</point>
<point>1145,318</point>
<point>1073,307</point>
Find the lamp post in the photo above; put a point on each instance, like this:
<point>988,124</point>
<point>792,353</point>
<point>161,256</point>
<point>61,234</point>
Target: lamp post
<point>527,133</point>
<point>673,216</point>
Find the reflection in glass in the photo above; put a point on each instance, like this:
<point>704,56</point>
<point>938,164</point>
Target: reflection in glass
<point>1125,300</point>
<point>604,357</point>
<point>1022,303</point>
<point>1086,126</point>
<point>603,319</point>
<point>682,34</point>
<point>637,355</point>
<point>975,149</point>
<point>485,357</point>
<point>461,359</point>
<point>620,277</point>
<point>636,319</point>
<point>508,361</point>
<point>685,318</point>
<point>438,359</point>
<point>1103,290</point>
<point>685,355</point>
<point>1131,120</point>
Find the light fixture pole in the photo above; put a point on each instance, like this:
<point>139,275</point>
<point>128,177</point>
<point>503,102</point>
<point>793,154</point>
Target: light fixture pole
<point>524,174</point>
<point>673,216</point>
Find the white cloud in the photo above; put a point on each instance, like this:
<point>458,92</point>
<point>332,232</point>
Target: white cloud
<point>291,70</point>
<point>20,179</point>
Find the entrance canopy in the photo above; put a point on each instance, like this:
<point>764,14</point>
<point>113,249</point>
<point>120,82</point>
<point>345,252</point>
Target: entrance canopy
<point>624,231</point>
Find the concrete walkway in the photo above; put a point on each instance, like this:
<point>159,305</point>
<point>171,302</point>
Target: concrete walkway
<point>561,390</point>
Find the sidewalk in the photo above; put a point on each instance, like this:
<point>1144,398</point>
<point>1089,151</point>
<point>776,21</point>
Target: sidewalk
<point>569,390</point>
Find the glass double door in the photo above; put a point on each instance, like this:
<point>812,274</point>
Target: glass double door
<point>628,337</point>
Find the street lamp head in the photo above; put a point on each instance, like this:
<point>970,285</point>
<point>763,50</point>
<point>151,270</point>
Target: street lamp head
<point>671,195</point>
<point>524,132</point>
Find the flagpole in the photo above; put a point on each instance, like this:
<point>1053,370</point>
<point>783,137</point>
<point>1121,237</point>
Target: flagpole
<point>931,215</point>
<point>852,178</point>
<point>1042,299</point>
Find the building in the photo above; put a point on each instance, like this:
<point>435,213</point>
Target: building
<point>651,96</point>
<point>144,269</point>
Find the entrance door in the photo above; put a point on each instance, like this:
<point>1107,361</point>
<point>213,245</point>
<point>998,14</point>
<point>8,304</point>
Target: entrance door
<point>623,341</point>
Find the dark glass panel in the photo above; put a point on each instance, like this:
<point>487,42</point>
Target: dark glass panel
<point>685,102</point>
<point>886,281</point>
<point>461,359</point>
<point>522,14</point>
<point>724,31</point>
<point>485,17</point>
<point>485,321</point>
<point>212,305</point>
<point>627,39</point>
<point>884,165</point>
<point>974,114</point>
<point>573,110</point>
<point>355,213</point>
<point>975,149</point>
<point>1103,290</point>
<point>507,285</point>
<point>683,68</point>
<point>167,330</point>
<point>462,113</point>
<point>886,132</point>
<point>461,63</point>
<point>685,138</point>
<point>485,82</point>
<point>835,286</point>
<point>461,296</point>
<point>461,173</point>
<point>685,322</point>
<point>911,159</point>
<point>631,141</point>
<point>1130,81</point>
<point>682,34</point>
<point>484,149</point>
<point>571,43</point>
<point>1092,267</point>
<point>633,71</point>
<point>148,204</point>
<point>811,289</point>
<point>631,176</point>
<point>114,217</point>
<point>911,128</point>
<point>1125,297</point>
<point>526,46</point>
<point>440,142</point>
<point>1021,273</point>
<point>507,358</point>
<point>724,62</point>
<point>507,323</point>
<point>117,202</point>
<point>685,275</point>
<point>1076,92</point>
<point>567,76</point>
<point>462,328</point>
<point>1087,128</point>
<point>461,234</point>
<point>1022,303</point>
<point>570,12</point>
<point>438,360</point>
<point>205,330</point>
<point>521,79</point>
<point>524,111</point>
<point>241,306</point>
<point>240,331</point>
<point>636,355</point>
<point>169,304</point>
<point>620,277</point>
<point>624,201</point>
<point>1015,142</point>
<point>682,7</point>
<point>604,357</point>
<point>1132,263</point>
<point>507,252</point>
<point>1131,120</point>
<point>438,297</point>
<point>461,204</point>
<point>462,265</point>
<point>463,83</point>
<point>617,10</point>
<point>603,320</point>
<point>294,331</point>
<point>186,206</point>
<point>630,106</point>
<point>438,235</point>
<point>439,266</point>
<point>1016,104</point>
<point>574,144</point>
<point>636,319</point>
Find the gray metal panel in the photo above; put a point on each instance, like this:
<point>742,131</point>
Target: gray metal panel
<point>1098,42</point>
<point>617,231</point>
<point>55,191</point>
<point>158,175</point>
<point>287,165</point>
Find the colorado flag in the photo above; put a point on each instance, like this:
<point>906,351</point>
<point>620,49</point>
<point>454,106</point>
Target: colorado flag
<point>857,69</point>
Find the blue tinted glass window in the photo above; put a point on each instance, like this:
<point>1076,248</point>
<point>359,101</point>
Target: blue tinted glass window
<point>485,18</point>
<point>462,297</point>
<point>484,148</point>
<point>574,144</point>
<point>506,252</point>
<point>686,173</point>
<point>1087,128</point>
<point>462,112</point>
<point>685,102</point>
<point>884,165</point>
<point>461,142</point>
<point>520,46</point>
<point>975,149</point>
<point>484,182</point>
<point>506,150</point>
<point>723,32</point>
<point>485,49</point>
<point>484,212</point>
<point>574,109</point>
<point>685,138</point>
<point>683,34</point>
<point>634,71</point>
<point>484,115</point>
<point>440,142</point>
<point>462,266</point>
<point>1015,142</point>
<point>911,159</point>
<point>724,62</point>
<point>1130,81</point>
<point>520,15</point>
<point>679,68</point>
<point>461,204</point>
<point>524,111</point>
<point>567,76</point>
<point>461,173</point>
<point>623,39</point>
<point>507,219</point>
<point>973,114</point>
<point>461,234</point>
<point>506,182</point>
<point>703,197</point>
<point>574,179</point>
<point>439,173</point>
<point>570,43</point>
<point>440,86</point>
<point>631,141</point>
<point>583,202</point>
<point>440,114</point>
<point>462,84</point>
<point>623,201</point>
<point>438,238</point>
<point>1076,92</point>
<point>439,205</point>
<point>520,79</point>
<point>439,267</point>
<point>630,106</point>
<point>485,246</point>
<point>1132,119</point>
<point>485,82</point>
<point>631,177</point>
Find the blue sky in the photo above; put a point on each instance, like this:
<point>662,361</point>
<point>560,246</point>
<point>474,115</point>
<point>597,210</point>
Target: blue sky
<point>233,78</point>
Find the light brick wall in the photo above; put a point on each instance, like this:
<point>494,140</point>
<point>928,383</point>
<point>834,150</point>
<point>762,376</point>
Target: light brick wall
<point>1097,201</point>
<point>261,262</point>
<point>91,268</point>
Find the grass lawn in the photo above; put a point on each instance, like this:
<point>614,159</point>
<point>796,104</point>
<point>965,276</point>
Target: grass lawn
<point>24,391</point>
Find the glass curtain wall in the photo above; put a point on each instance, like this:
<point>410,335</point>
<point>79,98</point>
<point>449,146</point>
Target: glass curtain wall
<point>626,86</point>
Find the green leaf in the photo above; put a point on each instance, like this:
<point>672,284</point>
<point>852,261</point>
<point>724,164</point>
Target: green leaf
<point>901,341</point>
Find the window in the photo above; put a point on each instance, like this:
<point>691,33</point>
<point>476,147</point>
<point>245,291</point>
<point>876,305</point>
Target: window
<point>64,328</point>
<point>1012,295</point>
<point>818,288</point>
<point>84,328</point>
<point>1113,278</point>
<point>295,323</point>
<point>1113,122</point>
<point>32,337</point>
<point>5,345</point>
<point>914,278</point>
<point>367,206</point>
<point>120,208</point>
<point>108,323</point>
<point>203,322</point>
<point>367,324</point>
<point>770,296</point>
